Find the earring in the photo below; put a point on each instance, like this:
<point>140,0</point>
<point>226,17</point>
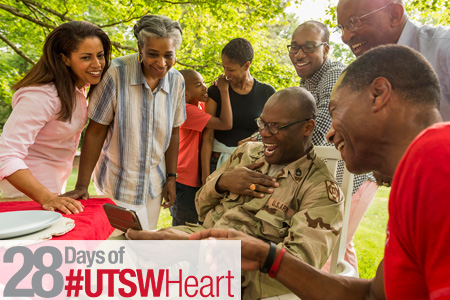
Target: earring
<point>140,59</point>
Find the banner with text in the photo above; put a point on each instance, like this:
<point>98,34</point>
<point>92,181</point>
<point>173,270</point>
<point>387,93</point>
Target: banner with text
<point>208,269</point>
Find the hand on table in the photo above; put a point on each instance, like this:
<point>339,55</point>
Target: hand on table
<point>66,205</point>
<point>77,193</point>
<point>244,181</point>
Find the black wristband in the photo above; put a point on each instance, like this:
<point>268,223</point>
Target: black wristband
<point>172,175</point>
<point>270,258</point>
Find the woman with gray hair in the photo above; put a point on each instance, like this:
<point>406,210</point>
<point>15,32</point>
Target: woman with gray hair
<point>135,112</point>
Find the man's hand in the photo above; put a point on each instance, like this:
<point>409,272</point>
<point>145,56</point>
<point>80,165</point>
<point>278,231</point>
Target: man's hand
<point>169,192</point>
<point>77,193</point>
<point>66,205</point>
<point>244,181</point>
<point>253,250</point>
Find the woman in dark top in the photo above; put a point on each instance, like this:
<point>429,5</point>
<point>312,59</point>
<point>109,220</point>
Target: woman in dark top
<point>247,96</point>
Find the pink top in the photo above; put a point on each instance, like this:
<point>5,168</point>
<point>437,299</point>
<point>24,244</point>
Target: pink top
<point>188,167</point>
<point>33,138</point>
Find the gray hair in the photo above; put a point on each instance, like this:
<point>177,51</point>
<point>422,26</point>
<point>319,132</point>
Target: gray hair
<point>154,26</point>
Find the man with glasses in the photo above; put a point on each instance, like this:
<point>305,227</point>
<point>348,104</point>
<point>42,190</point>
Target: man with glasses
<point>277,190</point>
<point>308,52</point>
<point>365,24</point>
<point>385,118</point>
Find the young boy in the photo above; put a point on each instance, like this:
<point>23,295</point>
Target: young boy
<point>188,168</point>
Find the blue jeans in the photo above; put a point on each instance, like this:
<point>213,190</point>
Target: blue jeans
<point>183,210</point>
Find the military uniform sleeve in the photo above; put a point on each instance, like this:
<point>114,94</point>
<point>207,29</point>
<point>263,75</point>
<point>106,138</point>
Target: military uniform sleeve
<point>315,228</point>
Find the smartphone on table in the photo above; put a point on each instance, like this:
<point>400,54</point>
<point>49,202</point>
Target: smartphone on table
<point>121,217</point>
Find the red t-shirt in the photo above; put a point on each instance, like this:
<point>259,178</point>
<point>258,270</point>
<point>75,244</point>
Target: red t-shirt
<point>417,258</point>
<point>188,167</point>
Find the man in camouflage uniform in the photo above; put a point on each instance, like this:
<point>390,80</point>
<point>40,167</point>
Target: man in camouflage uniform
<point>277,190</point>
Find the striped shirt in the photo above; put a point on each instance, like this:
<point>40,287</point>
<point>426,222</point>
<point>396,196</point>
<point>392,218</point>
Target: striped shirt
<point>132,165</point>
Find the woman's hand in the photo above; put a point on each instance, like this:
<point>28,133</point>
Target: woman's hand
<point>222,83</point>
<point>66,205</point>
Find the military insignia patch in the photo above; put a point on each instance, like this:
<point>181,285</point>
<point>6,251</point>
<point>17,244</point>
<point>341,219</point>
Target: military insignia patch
<point>333,191</point>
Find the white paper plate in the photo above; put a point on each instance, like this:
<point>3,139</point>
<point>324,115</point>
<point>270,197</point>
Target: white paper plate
<point>17,223</point>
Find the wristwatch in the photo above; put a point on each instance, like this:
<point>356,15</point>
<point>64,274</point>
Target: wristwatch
<point>172,175</point>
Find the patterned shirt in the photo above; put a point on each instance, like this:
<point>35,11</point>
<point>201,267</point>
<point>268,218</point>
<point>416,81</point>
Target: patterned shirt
<point>132,165</point>
<point>320,86</point>
<point>434,44</point>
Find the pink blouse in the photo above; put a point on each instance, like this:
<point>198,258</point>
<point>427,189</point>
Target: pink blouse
<point>33,138</point>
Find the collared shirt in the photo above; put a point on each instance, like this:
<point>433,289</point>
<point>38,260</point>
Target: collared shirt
<point>132,165</point>
<point>433,43</point>
<point>33,138</point>
<point>320,86</point>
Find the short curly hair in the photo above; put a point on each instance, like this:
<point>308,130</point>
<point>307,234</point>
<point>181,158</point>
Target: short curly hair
<point>239,50</point>
<point>154,26</point>
<point>409,73</point>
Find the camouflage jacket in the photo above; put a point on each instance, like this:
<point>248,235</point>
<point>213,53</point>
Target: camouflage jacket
<point>304,214</point>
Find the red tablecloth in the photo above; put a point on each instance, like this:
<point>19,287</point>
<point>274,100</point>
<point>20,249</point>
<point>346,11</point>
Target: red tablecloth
<point>91,224</point>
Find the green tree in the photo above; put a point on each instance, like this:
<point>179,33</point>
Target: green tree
<point>207,27</point>
<point>431,12</point>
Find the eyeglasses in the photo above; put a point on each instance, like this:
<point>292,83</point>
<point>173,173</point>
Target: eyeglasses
<point>354,23</point>
<point>308,48</point>
<point>273,127</point>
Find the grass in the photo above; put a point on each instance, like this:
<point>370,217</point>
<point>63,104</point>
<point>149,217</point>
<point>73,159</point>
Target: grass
<point>369,238</point>
<point>371,235</point>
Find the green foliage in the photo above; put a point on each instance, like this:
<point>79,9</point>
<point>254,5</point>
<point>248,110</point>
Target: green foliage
<point>341,53</point>
<point>429,11</point>
<point>207,27</point>
<point>12,66</point>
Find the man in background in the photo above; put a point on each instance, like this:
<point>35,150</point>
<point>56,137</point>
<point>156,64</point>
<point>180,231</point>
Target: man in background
<point>365,24</point>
